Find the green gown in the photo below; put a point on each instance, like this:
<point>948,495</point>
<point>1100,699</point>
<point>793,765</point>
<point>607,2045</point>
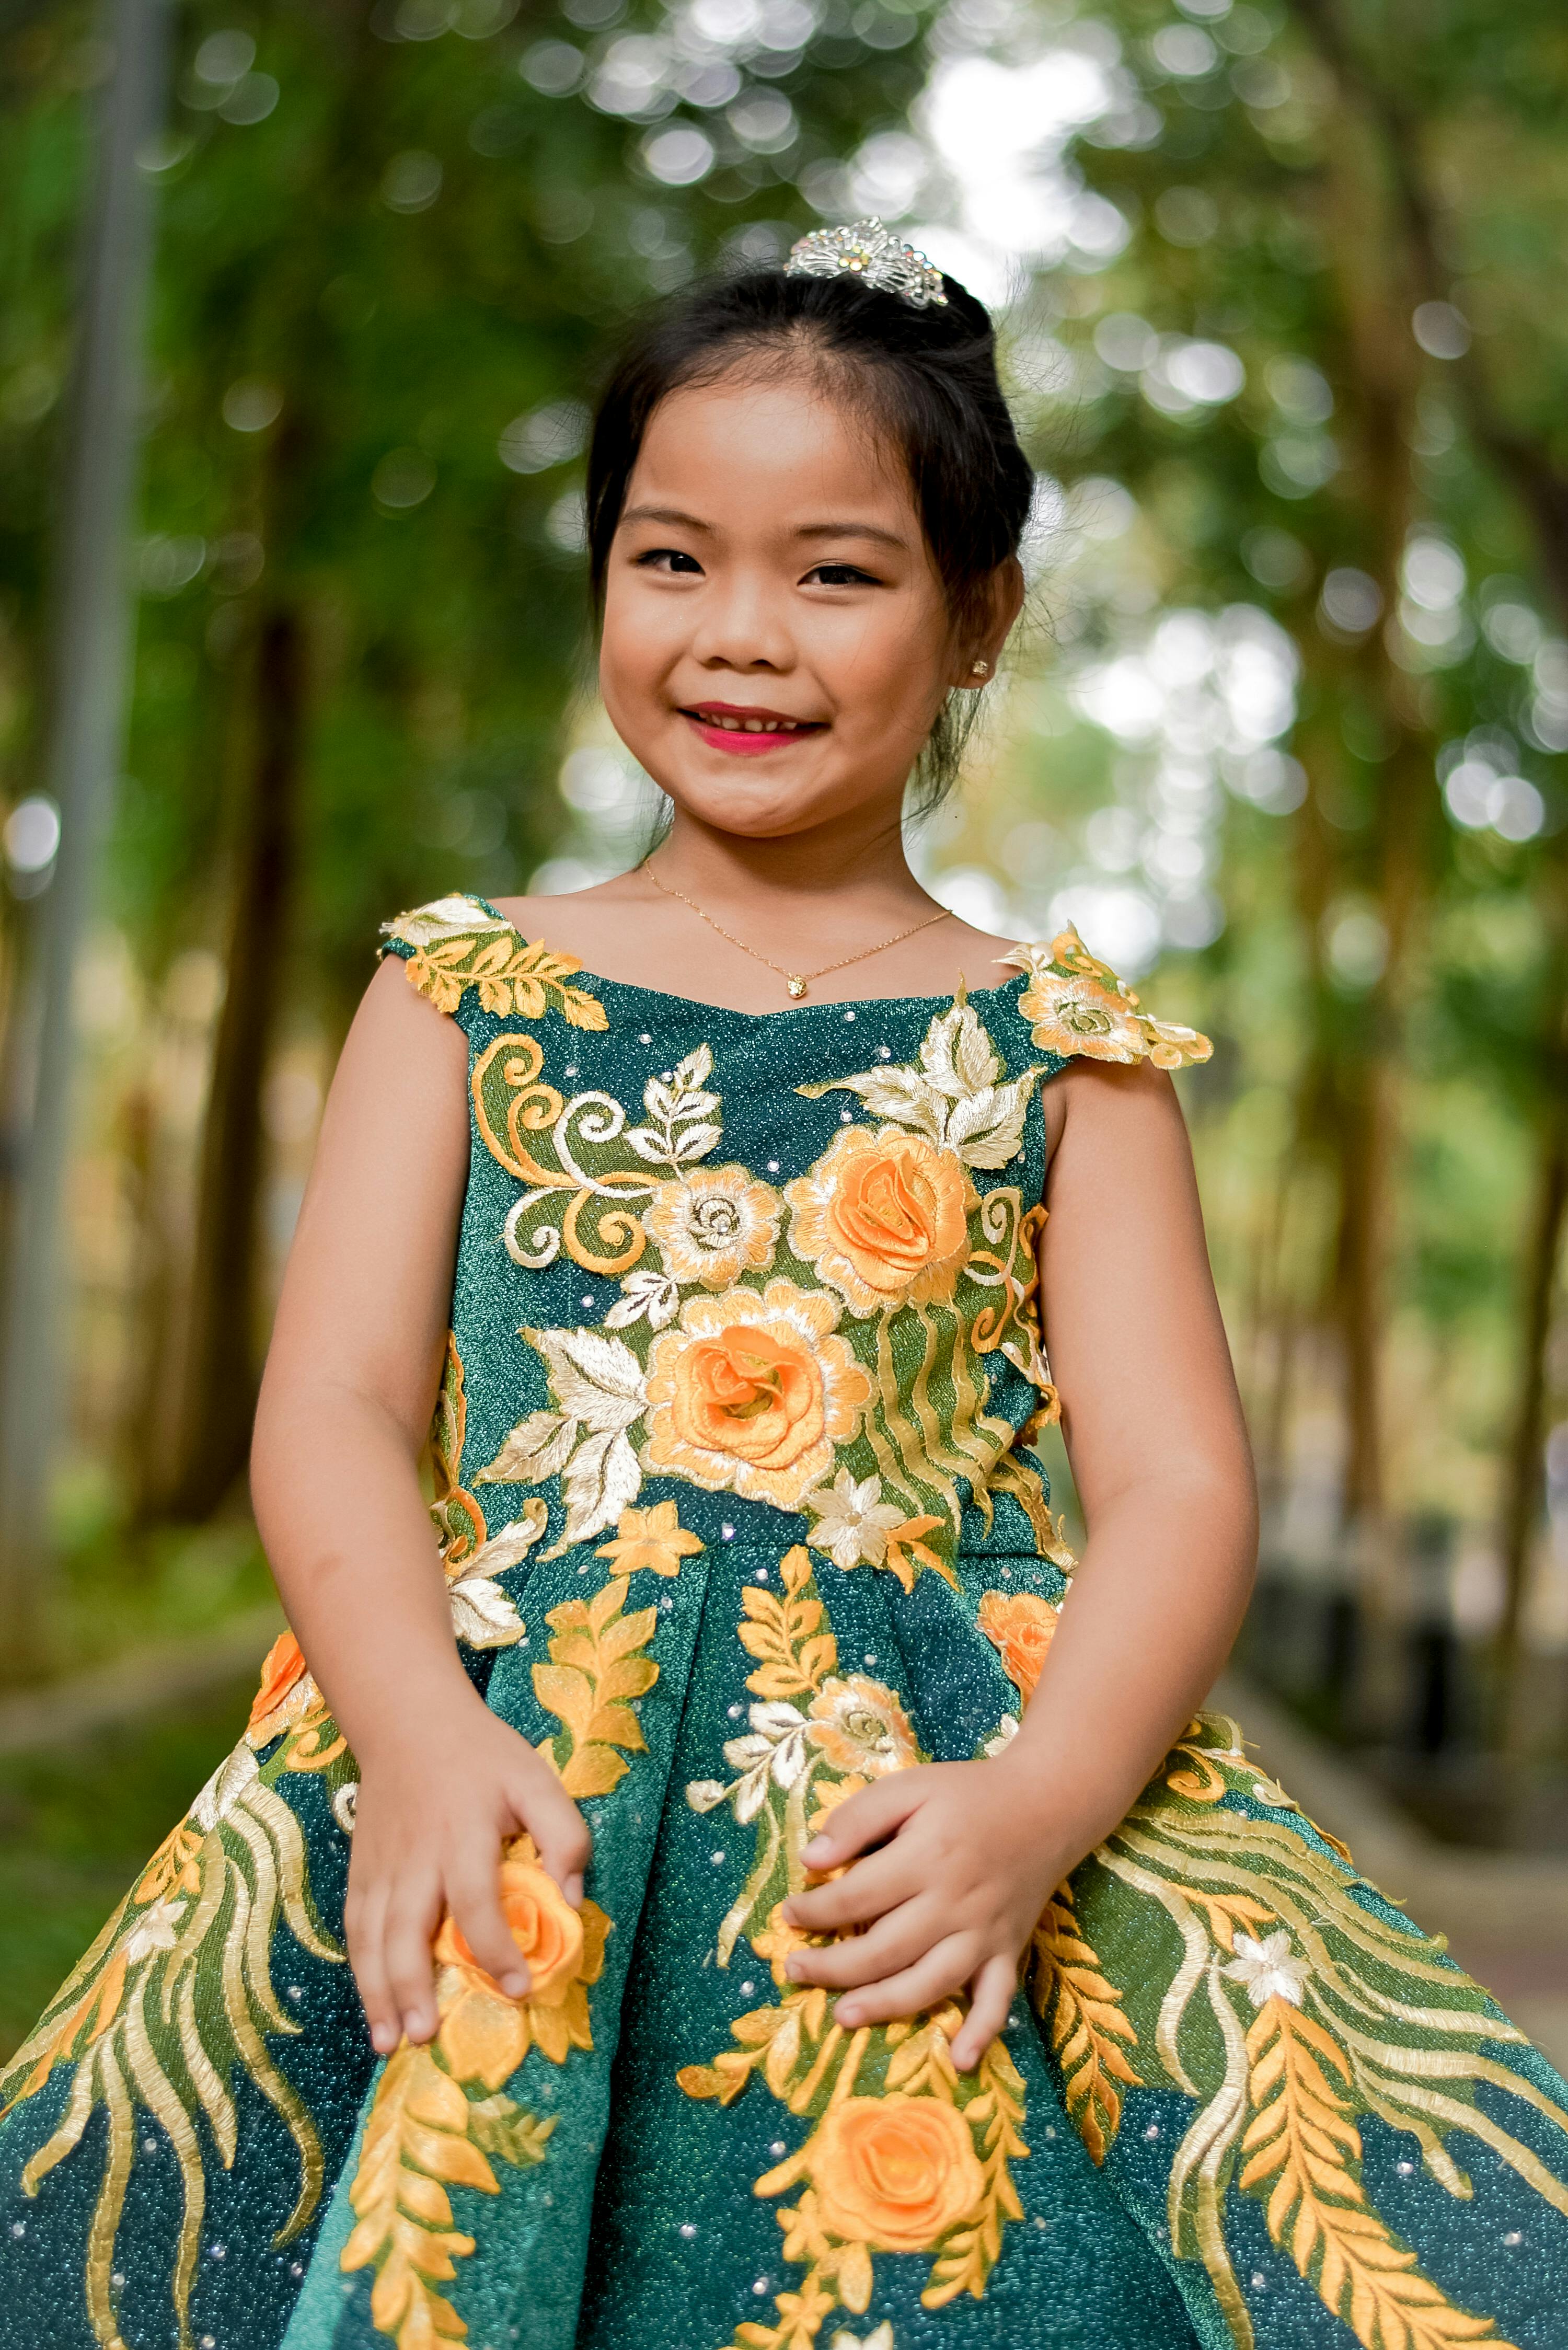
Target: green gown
<point>737,1511</point>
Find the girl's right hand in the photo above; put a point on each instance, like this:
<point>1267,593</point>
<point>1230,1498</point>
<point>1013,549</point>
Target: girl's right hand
<point>429,1822</point>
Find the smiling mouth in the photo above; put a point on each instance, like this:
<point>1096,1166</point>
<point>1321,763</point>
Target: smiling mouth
<point>729,728</point>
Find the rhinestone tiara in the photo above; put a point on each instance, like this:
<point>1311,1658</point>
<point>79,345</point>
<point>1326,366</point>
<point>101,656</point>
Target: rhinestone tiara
<point>866,250</point>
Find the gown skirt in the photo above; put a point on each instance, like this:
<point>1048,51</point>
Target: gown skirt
<point>737,1513</point>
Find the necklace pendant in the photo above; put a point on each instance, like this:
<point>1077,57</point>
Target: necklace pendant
<point>793,983</point>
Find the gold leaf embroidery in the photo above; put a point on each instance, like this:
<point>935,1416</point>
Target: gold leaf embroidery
<point>903,2154</point>
<point>968,2256</point>
<point>174,1996</point>
<point>1300,2150</point>
<point>423,2136</point>
<point>795,1656</point>
<point>1374,2020</point>
<point>508,972</point>
<point>594,1672</point>
<point>1090,2030</point>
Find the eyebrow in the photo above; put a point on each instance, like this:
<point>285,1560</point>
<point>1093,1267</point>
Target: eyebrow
<point>816,530</point>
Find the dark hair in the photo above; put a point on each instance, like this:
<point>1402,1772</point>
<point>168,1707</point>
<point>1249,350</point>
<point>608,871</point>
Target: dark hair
<point>926,378</point>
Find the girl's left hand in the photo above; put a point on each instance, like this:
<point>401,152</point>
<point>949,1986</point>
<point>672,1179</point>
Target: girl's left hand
<point>960,1860</point>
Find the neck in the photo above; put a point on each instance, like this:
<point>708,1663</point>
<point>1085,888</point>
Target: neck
<point>860,855</point>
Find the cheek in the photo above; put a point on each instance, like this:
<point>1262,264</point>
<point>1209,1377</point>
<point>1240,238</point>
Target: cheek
<point>637,642</point>
<point>888,666</point>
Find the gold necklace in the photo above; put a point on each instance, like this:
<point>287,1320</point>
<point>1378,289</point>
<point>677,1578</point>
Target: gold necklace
<point>796,982</point>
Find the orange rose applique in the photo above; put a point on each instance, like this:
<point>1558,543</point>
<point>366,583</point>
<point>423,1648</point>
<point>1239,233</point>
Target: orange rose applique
<point>287,1692</point>
<point>895,2172</point>
<point>484,2034</point>
<point>883,1217</point>
<point>752,1394</point>
<point>1019,1625</point>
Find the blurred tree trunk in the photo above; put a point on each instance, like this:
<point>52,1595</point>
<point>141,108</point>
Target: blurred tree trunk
<point>1383,364</point>
<point>90,638</point>
<point>222,1367</point>
<point>1540,484</point>
<point>1524,1465</point>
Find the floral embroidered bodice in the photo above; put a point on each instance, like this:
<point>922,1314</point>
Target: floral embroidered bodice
<point>779,1262</point>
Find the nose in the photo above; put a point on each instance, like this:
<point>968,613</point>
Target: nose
<point>741,625</point>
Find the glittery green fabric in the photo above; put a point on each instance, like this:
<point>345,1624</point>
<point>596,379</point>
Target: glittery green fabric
<point>737,1511</point>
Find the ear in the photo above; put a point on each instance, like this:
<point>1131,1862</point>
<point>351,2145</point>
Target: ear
<point>1004,602</point>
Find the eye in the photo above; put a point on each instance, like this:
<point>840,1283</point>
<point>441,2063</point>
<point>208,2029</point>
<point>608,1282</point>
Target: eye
<point>840,574</point>
<point>672,561</point>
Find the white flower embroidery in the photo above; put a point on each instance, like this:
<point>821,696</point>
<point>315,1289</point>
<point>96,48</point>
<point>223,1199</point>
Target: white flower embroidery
<point>453,916</point>
<point>599,1384</point>
<point>881,2339</point>
<point>650,1293</point>
<point>1006,1731</point>
<point>853,1521</point>
<point>956,1096</point>
<point>714,1223</point>
<point>483,1614</point>
<point>155,1930</point>
<point>775,1749</point>
<point>1267,1969</point>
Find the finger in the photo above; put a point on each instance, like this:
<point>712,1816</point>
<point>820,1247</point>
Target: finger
<point>945,1967</point>
<point>869,1890</point>
<point>991,1997</point>
<point>474,1900</point>
<point>895,1942</point>
<point>412,1915</point>
<point>560,1830</point>
<point>363,1926</point>
<point>867,1818</point>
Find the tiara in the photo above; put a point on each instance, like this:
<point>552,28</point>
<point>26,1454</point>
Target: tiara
<point>866,250</point>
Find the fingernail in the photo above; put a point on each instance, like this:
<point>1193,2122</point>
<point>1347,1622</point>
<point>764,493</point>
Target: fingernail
<point>791,1968</point>
<point>414,2024</point>
<point>819,1846</point>
<point>842,2014</point>
<point>383,2039</point>
<point>787,1912</point>
<point>515,1985</point>
<point>573,1890</point>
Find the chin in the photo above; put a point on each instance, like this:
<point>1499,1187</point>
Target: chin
<point>758,807</point>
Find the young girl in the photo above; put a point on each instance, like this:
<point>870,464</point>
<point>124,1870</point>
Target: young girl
<point>728,1897</point>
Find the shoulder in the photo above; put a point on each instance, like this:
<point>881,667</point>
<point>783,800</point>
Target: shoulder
<point>458,950</point>
<point>1076,1008</point>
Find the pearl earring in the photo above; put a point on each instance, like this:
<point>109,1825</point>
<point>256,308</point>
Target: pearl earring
<point>979,669</point>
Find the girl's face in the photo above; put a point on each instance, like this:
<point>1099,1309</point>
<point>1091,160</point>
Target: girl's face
<point>777,641</point>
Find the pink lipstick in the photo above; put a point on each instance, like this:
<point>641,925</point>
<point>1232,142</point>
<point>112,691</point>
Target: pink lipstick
<point>746,729</point>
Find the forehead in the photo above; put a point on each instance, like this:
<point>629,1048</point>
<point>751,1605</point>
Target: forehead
<point>780,442</point>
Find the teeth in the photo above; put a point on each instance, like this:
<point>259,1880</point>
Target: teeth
<point>750,725</point>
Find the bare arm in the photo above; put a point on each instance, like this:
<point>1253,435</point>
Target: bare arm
<point>1154,1429</point>
<point>350,1384</point>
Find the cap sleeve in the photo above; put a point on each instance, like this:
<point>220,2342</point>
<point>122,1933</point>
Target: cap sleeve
<point>459,951</point>
<point>1077,1006</point>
